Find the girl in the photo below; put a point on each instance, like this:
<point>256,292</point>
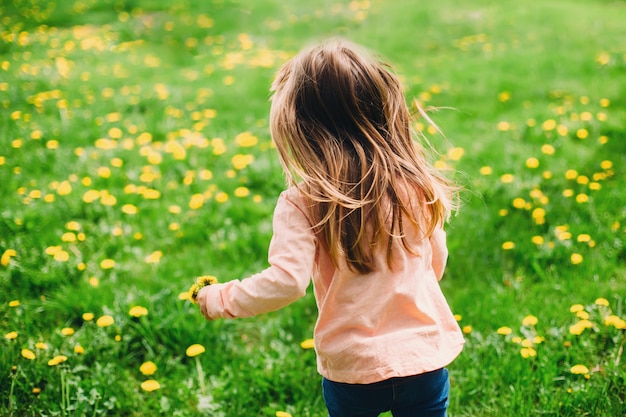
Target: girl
<point>363,218</point>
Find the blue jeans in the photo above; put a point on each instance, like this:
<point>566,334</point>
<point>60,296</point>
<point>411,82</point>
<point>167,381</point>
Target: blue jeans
<point>424,395</point>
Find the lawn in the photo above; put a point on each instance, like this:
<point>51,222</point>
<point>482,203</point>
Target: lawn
<point>135,155</point>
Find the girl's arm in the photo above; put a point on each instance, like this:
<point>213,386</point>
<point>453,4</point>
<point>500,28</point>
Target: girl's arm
<point>291,257</point>
<point>440,251</point>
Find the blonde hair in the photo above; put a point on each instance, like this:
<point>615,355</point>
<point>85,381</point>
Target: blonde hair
<point>342,128</point>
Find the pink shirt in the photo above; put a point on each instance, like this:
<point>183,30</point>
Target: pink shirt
<point>389,323</point>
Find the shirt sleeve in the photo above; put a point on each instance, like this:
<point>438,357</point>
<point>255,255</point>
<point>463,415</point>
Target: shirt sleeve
<point>291,256</point>
<point>440,251</point>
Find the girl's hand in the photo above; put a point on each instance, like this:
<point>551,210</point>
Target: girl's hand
<point>202,302</point>
<point>197,295</point>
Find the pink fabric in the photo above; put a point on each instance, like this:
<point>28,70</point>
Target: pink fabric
<point>370,327</point>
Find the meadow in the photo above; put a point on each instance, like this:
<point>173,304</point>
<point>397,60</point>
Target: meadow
<point>135,155</point>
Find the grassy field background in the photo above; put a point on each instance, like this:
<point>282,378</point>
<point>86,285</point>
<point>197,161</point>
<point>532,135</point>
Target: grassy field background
<point>135,156</point>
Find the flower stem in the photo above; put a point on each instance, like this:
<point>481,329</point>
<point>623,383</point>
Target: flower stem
<point>200,376</point>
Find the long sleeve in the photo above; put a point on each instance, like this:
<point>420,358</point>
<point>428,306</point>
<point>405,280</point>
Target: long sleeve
<point>291,256</point>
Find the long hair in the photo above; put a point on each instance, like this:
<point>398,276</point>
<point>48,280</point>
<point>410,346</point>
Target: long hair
<point>342,130</point>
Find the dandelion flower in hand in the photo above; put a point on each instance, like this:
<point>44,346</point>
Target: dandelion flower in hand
<point>200,283</point>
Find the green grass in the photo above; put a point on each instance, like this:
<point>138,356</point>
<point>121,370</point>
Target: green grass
<point>138,104</point>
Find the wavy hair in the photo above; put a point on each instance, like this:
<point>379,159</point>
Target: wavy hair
<point>342,129</point>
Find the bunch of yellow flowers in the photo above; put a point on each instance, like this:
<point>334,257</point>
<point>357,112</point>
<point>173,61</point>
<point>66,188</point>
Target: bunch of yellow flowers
<point>200,283</point>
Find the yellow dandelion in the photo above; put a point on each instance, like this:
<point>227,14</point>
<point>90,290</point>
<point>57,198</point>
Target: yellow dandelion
<point>61,256</point>
<point>537,240</point>
<point>532,163</point>
<point>150,385</point>
<point>221,197</point>
<point>575,308</point>
<point>148,368</point>
<point>576,258</point>
<point>528,352</point>
<point>549,124</point>
<point>14,303</point>
<point>508,245</point>
<point>6,256</point>
<point>242,192</point>
<point>67,331</point>
<point>138,311</point>
<point>582,198</point>
<point>583,315</point>
<point>240,161</point>
<point>504,96</point>
<point>486,170</point>
<point>68,237</point>
<point>129,209</point>
<point>606,164</point>
<point>580,327</point>
<point>194,350</point>
<point>602,302</point>
<point>79,350</point>
<point>519,203</point>
<point>218,146</point>
<point>28,354</point>
<point>154,257</point>
<point>615,321</point>
<point>504,330</point>
<point>175,209</point>
<point>307,344</point>
<point>90,196</point>
<point>11,335</point>
<point>107,198</point>
<point>107,264</point>
<point>64,188</point>
<point>579,369</point>
<point>507,178</point>
<point>201,282</point>
<point>197,201</point>
<point>104,172</point>
<point>503,126</point>
<point>456,154</point>
<point>105,321</point>
<point>282,414</point>
<point>582,133</point>
<point>57,360</point>
<point>548,149</point>
<point>467,329</point>
<point>246,140</point>
<point>530,320</point>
